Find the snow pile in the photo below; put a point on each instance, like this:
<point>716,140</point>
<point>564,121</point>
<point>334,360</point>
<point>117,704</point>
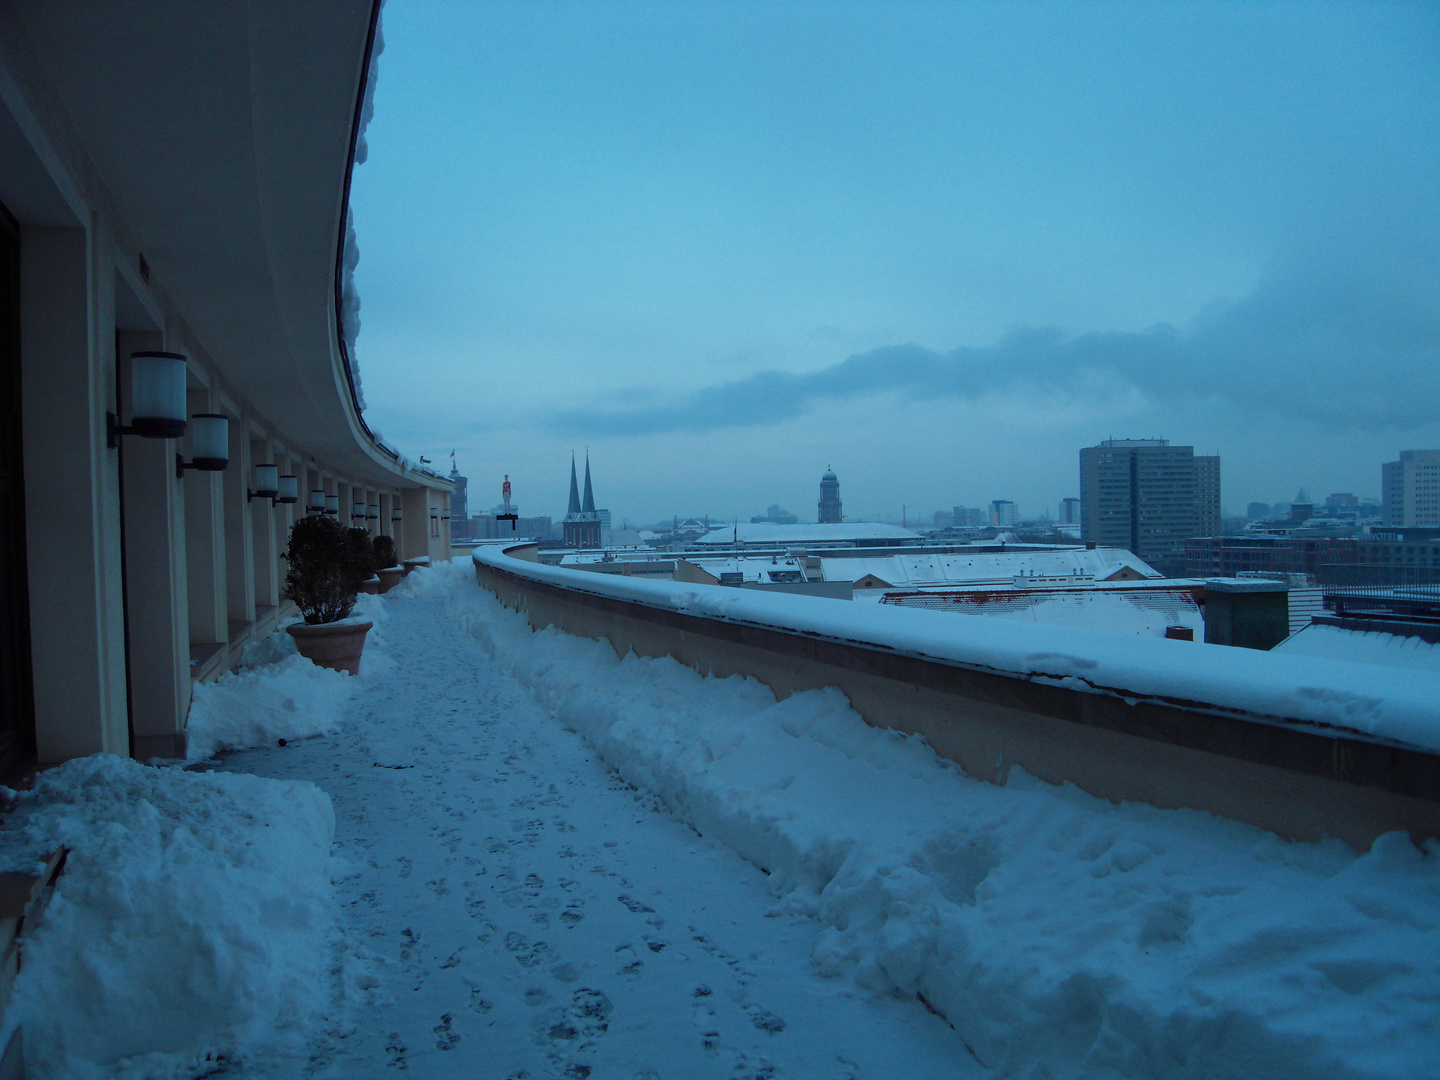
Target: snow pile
<point>1061,935</point>
<point>275,693</point>
<point>285,698</point>
<point>191,923</point>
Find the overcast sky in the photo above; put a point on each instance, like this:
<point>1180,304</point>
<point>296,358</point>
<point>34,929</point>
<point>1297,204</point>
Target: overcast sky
<point>937,246</point>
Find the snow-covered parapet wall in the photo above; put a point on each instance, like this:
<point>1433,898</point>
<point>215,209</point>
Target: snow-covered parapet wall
<point>1339,699</point>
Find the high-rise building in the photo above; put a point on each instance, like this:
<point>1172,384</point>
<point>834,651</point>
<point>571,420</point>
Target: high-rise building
<point>1410,489</point>
<point>1069,511</point>
<point>1149,497</point>
<point>830,509</point>
<point>1002,512</point>
<point>969,517</point>
<point>581,527</point>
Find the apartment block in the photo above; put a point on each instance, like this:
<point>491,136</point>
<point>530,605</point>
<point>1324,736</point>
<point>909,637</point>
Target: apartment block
<point>1410,489</point>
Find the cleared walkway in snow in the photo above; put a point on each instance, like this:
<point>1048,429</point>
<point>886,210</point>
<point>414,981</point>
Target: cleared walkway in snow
<point>525,913</point>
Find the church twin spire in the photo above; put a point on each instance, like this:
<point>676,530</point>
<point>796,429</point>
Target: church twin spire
<point>577,506</point>
<point>582,526</point>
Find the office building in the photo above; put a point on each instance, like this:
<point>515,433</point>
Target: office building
<point>1410,489</point>
<point>1148,497</point>
<point>1002,513</point>
<point>969,517</point>
<point>1069,511</point>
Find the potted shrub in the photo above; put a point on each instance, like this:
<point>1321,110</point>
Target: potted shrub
<point>362,560</point>
<point>390,572</point>
<point>321,582</point>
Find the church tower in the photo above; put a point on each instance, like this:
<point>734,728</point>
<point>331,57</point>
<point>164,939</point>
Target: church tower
<point>459,503</point>
<point>581,527</point>
<point>830,509</point>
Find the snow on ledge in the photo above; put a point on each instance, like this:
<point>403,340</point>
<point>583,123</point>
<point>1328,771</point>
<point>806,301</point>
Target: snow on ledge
<point>1334,697</point>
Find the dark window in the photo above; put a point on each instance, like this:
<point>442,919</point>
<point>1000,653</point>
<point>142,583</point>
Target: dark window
<point>17,709</point>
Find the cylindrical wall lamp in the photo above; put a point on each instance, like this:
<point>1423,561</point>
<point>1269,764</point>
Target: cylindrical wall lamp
<point>316,505</point>
<point>210,440</point>
<point>157,398</point>
<point>332,505</point>
<point>395,515</point>
<point>289,489</point>
<point>434,513</point>
<point>267,483</point>
<point>373,512</point>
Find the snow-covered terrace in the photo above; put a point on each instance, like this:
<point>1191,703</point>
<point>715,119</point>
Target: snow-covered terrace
<point>506,853</point>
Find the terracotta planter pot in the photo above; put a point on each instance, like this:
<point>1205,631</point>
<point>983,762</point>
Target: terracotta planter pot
<point>390,577</point>
<point>332,645</point>
<point>416,564</point>
<point>370,585</point>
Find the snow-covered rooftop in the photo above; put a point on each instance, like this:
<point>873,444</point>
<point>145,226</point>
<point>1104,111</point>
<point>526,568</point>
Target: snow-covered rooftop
<point>1148,611</point>
<point>1000,567</point>
<point>1326,642</point>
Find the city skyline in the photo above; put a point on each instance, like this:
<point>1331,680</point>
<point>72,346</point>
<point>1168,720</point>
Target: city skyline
<point>920,513</point>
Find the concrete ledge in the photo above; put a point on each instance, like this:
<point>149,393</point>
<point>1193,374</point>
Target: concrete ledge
<point>1297,781</point>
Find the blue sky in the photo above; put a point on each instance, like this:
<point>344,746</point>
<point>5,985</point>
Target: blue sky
<point>937,246</point>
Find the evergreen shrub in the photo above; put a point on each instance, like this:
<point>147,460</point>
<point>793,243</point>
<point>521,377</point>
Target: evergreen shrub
<point>321,578</point>
<point>384,552</point>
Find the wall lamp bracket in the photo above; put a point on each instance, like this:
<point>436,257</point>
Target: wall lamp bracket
<point>199,465</point>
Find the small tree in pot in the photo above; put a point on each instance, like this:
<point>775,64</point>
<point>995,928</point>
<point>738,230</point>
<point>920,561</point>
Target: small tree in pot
<point>390,573</point>
<point>361,554</point>
<point>321,582</point>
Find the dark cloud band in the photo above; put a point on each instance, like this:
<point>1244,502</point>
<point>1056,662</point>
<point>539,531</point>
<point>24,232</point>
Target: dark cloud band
<point>1330,344</point>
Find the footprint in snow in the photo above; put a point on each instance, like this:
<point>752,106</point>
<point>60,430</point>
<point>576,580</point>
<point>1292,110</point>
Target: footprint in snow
<point>527,954</point>
<point>702,1014</point>
<point>584,1020</point>
<point>745,1069</point>
<point>445,1038</point>
<point>765,1020</point>
<point>630,965</point>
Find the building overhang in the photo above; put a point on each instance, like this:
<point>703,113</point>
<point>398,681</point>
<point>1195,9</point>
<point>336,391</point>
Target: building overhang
<point>223,134</point>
